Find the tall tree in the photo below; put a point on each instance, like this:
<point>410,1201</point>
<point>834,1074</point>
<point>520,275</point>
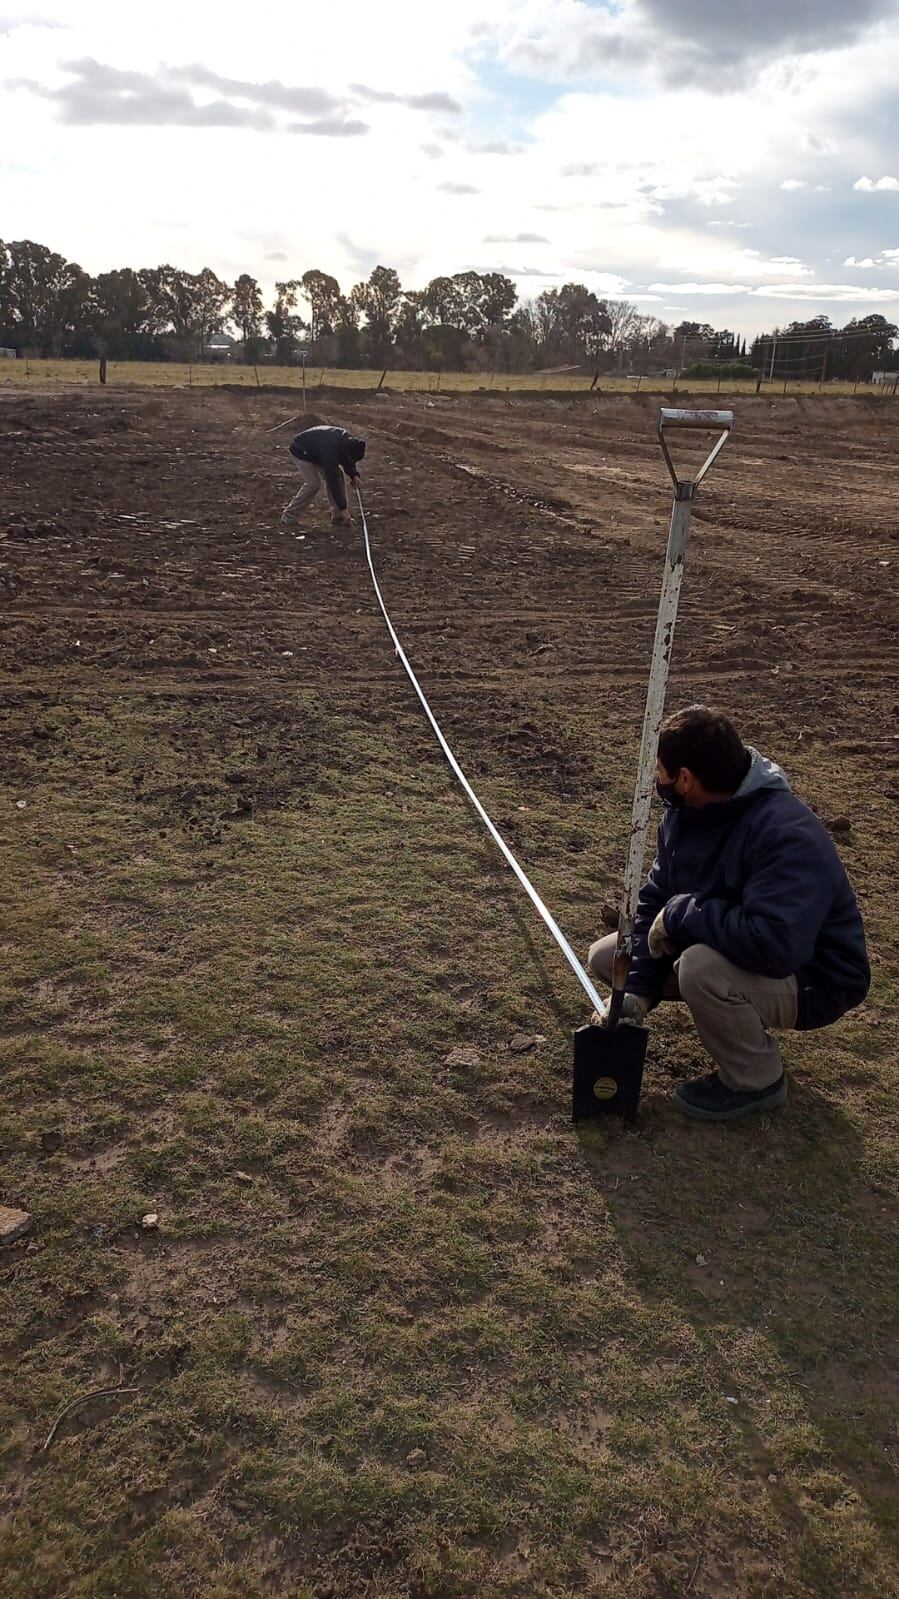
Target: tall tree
<point>498,297</point>
<point>175,304</point>
<point>122,316</point>
<point>378,300</point>
<point>211,299</point>
<point>155,282</point>
<point>573,324</point>
<point>469,301</point>
<point>323,293</point>
<point>283,321</point>
<point>246,312</point>
<point>443,303</point>
<point>409,329</point>
<point>47,298</point>
<point>349,344</point>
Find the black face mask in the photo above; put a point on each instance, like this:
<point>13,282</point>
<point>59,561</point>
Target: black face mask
<point>668,793</point>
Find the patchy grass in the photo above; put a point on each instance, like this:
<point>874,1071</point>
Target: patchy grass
<point>400,1330</point>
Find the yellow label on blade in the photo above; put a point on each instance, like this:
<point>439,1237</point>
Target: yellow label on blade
<point>605,1088</point>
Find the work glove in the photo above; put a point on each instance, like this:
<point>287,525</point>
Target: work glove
<point>634,1009</point>
<point>659,942</point>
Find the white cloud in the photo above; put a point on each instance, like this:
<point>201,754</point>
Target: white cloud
<point>700,288</point>
<point>868,261</point>
<point>708,191</point>
<point>494,147</point>
<point>97,94</point>
<point>794,183</point>
<point>610,284</point>
<point>515,272</point>
<point>739,263</point>
<point>17,23</point>
<point>848,293</point>
<point>868,185</point>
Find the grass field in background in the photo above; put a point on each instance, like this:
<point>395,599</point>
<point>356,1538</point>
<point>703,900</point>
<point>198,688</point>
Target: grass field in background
<point>176,374</point>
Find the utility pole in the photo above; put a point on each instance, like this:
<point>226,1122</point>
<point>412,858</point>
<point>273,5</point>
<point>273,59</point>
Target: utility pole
<point>773,351</point>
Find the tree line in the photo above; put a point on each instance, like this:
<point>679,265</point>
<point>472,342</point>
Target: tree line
<point>817,351</point>
<point>472,321</point>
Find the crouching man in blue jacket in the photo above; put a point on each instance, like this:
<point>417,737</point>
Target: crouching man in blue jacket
<point>747,915</point>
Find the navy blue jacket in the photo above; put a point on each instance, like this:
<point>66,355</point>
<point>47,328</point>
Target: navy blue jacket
<point>330,448</point>
<point>757,878</point>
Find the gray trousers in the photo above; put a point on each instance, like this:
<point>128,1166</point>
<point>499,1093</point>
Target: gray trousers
<point>733,1010</point>
<point>313,478</point>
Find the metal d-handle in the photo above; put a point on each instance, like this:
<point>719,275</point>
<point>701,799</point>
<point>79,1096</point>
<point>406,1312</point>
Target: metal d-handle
<point>699,421</point>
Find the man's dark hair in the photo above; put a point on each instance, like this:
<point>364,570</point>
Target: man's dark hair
<point>707,742</point>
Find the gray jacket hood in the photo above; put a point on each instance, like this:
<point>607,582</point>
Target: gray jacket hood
<point>762,774</point>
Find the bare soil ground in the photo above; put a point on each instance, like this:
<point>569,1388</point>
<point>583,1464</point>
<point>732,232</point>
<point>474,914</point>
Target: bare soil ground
<point>400,1331</point>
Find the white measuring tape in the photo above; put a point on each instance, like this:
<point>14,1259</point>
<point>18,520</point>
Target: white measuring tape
<point>545,915</point>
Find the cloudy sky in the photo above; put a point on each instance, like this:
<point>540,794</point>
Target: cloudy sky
<point>734,161</point>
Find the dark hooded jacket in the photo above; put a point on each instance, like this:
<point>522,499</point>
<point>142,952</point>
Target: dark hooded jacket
<point>757,878</point>
<point>330,449</point>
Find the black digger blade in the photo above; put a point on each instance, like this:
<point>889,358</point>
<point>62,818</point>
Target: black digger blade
<point>608,1071</point>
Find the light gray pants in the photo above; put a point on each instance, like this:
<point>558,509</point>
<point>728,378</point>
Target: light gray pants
<point>313,478</point>
<point>733,1010</point>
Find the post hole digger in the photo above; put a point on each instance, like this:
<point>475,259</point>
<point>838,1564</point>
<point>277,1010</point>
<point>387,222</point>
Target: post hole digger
<point>608,1056</point>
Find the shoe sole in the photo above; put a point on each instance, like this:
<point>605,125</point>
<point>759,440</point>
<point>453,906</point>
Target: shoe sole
<point>696,1113</point>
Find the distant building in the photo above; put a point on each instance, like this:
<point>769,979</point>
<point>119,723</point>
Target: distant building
<point>219,348</point>
<point>7,355</point>
<point>885,380</point>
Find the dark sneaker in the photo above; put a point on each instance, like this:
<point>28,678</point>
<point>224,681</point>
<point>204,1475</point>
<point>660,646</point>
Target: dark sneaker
<point>708,1099</point>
